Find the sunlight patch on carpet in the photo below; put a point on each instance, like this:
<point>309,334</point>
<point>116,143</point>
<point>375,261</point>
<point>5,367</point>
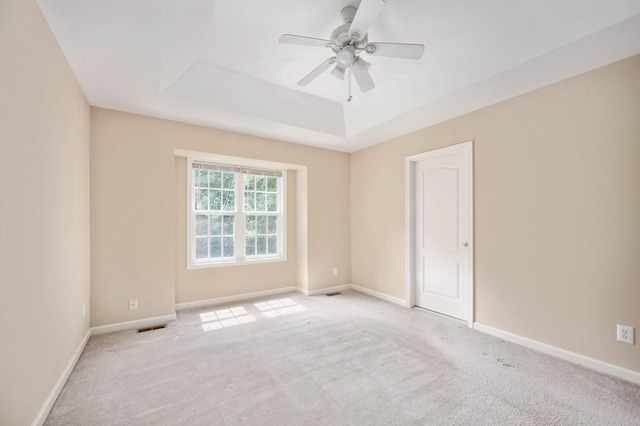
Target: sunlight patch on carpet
<point>230,317</point>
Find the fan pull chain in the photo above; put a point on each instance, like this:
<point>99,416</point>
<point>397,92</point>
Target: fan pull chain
<point>349,86</point>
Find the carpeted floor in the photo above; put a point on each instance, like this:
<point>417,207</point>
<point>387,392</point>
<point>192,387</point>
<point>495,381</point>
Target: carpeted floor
<point>349,359</point>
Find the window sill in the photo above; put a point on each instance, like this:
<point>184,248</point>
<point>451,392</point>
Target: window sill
<point>243,262</point>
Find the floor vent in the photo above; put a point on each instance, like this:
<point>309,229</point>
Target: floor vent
<point>335,293</point>
<point>154,327</point>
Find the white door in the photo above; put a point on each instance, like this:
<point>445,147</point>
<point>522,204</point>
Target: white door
<point>443,231</point>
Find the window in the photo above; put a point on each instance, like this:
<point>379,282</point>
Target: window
<point>236,214</point>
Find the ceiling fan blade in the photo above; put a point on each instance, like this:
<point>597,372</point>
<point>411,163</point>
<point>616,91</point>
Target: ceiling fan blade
<point>316,72</point>
<point>361,73</point>
<point>304,41</point>
<point>395,50</point>
<point>365,16</point>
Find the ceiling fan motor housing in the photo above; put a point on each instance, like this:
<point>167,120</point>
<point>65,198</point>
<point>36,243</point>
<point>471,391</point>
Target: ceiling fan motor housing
<point>341,34</point>
<point>341,38</point>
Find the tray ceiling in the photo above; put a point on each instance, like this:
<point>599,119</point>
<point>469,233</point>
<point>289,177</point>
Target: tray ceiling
<point>218,63</point>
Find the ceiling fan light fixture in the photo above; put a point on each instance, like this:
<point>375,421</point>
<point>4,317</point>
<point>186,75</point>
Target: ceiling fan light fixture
<point>345,56</point>
<point>338,72</point>
<point>361,73</point>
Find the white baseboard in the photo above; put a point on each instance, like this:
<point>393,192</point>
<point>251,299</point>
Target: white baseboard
<point>244,296</point>
<point>594,364</point>
<point>379,295</point>
<point>324,290</point>
<point>53,395</point>
<point>120,326</point>
<point>234,298</point>
<point>364,290</point>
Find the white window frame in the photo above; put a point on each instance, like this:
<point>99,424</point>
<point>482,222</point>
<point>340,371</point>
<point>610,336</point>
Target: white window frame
<point>239,244</point>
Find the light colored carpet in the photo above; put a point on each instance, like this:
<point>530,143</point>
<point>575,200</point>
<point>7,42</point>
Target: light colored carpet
<point>343,360</point>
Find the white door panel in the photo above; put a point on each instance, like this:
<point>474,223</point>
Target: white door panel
<point>442,232</point>
<point>441,277</point>
<point>440,209</point>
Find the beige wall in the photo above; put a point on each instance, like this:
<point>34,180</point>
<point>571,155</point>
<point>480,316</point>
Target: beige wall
<point>137,240</point>
<point>44,211</point>
<point>557,211</point>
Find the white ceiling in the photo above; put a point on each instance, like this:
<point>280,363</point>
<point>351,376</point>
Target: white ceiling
<point>218,63</point>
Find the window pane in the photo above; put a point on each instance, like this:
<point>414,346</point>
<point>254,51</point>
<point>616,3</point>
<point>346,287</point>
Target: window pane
<point>272,202</point>
<point>214,179</point>
<point>250,246</point>
<point>250,227</point>
<point>261,243</point>
<point>261,225</point>
<point>227,228</point>
<point>260,202</point>
<point>272,225</point>
<point>228,246</point>
<point>228,180</point>
<point>249,182</point>
<point>200,177</point>
<point>215,198</point>
<point>215,224</point>
<point>216,247</point>
<point>272,184</point>
<point>272,245</point>
<point>260,183</point>
<point>201,248</point>
<point>228,201</point>
<point>201,225</point>
<point>202,199</point>
<point>249,202</point>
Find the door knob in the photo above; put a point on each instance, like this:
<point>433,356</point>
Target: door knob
<point>465,244</point>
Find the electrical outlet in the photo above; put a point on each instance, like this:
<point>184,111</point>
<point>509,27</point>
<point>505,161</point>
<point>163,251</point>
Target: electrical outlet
<point>625,334</point>
<point>335,270</point>
<point>84,310</point>
<point>133,304</point>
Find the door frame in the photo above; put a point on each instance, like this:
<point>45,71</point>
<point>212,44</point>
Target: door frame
<point>410,163</point>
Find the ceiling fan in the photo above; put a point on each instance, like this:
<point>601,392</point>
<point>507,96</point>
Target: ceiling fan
<point>348,41</point>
